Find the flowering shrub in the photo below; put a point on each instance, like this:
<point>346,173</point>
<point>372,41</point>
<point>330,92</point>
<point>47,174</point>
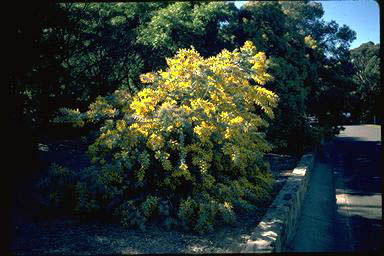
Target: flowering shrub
<point>188,148</point>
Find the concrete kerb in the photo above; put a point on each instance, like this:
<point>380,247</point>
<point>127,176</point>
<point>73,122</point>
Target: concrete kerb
<point>278,225</point>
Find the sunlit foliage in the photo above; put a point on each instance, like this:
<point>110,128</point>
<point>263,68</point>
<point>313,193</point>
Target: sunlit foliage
<point>191,140</point>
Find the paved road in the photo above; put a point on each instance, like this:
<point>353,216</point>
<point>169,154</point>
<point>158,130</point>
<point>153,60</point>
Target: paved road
<point>343,207</point>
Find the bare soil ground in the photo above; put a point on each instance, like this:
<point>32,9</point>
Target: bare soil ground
<point>35,234</point>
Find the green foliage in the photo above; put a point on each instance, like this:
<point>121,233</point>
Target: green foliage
<point>85,203</point>
<point>182,24</point>
<point>275,32</point>
<point>57,188</point>
<point>80,51</point>
<point>309,62</point>
<point>130,215</point>
<point>157,148</point>
<point>367,90</point>
<point>186,212</point>
<point>330,70</point>
<point>92,49</point>
<point>149,206</point>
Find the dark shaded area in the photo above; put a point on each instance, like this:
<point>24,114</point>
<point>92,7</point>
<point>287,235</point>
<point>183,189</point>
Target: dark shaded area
<point>34,232</point>
<point>368,234</point>
<point>358,159</point>
<point>362,164</point>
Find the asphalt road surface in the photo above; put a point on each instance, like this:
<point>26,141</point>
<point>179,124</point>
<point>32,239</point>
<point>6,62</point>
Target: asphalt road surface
<point>342,211</point>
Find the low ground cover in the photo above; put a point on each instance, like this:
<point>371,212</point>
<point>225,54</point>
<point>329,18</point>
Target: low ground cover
<point>36,232</point>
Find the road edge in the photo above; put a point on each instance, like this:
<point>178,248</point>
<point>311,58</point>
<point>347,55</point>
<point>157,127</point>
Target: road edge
<point>278,225</point>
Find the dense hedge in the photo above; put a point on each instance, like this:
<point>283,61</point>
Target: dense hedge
<point>188,148</point>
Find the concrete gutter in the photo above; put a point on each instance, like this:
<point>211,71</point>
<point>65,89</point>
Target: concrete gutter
<point>278,225</point>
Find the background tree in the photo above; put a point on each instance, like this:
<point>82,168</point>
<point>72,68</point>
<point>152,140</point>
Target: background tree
<point>82,50</point>
<point>334,77</point>
<point>329,75</point>
<point>182,24</point>
<point>95,52</point>
<point>367,91</point>
<point>273,29</point>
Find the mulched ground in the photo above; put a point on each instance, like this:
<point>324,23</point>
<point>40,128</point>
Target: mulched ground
<point>34,234</point>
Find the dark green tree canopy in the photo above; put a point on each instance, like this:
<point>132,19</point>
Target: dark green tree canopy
<point>367,89</point>
<point>83,50</point>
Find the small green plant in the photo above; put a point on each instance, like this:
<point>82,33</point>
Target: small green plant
<point>149,206</point>
<point>85,203</point>
<point>57,187</point>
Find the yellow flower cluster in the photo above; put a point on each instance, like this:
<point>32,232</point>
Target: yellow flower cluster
<point>100,108</point>
<point>310,42</point>
<point>144,102</point>
<point>193,132</point>
<point>214,96</point>
<point>194,110</point>
<point>204,131</point>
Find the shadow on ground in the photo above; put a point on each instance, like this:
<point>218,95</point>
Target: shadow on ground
<point>358,165</point>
